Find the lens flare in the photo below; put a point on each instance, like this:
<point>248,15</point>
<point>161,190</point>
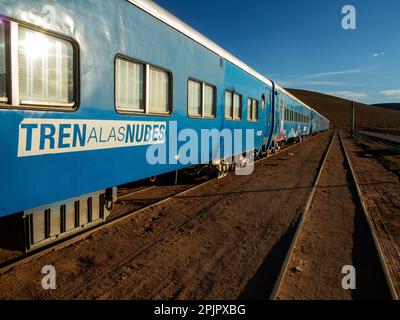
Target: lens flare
<point>35,44</point>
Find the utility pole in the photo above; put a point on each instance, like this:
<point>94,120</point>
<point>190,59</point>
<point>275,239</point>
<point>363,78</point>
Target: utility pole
<point>352,131</point>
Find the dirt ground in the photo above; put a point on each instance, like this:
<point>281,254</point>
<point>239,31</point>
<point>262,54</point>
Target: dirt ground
<point>335,234</point>
<point>378,170</point>
<point>225,240</point>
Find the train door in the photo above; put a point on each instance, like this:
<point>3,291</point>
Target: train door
<point>279,109</point>
<point>275,118</point>
<point>267,110</point>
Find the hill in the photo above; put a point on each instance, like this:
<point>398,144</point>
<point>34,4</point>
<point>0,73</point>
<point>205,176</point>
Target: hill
<point>392,106</point>
<point>337,110</point>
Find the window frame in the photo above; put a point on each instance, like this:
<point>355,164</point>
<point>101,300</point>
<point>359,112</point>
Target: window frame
<point>6,101</point>
<point>203,84</point>
<point>252,100</point>
<point>126,111</point>
<point>231,108</point>
<point>147,91</point>
<point>146,88</point>
<point>14,97</point>
<point>233,93</point>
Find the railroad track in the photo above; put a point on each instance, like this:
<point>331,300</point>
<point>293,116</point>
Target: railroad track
<point>388,143</point>
<point>127,194</point>
<point>36,254</point>
<point>283,277</point>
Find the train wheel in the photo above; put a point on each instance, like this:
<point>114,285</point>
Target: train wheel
<point>153,179</point>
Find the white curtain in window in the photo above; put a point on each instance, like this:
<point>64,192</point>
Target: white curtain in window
<point>158,91</point>
<point>254,110</point>
<point>249,107</point>
<point>3,77</point>
<point>228,105</point>
<point>45,68</point>
<point>129,86</point>
<point>236,106</point>
<point>209,101</point>
<point>194,98</point>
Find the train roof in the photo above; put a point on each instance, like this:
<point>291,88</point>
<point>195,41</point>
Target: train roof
<point>163,15</point>
<point>278,87</point>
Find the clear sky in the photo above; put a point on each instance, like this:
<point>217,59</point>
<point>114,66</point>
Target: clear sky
<point>301,43</point>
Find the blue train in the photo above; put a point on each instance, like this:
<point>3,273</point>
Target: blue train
<point>87,87</point>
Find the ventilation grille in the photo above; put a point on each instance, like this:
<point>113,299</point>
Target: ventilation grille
<point>53,222</point>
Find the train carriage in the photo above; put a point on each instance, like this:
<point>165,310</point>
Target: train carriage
<point>88,87</point>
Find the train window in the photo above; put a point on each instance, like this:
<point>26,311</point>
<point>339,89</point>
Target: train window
<point>129,85</point>
<point>46,69</point>
<point>237,106</point>
<point>233,106</point>
<point>263,102</point>
<point>201,99</point>
<point>142,88</point>
<point>3,63</point>
<point>228,105</point>
<point>255,110</point>
<point>249,107</point>
<point>194,98</point>
<point>252,109</point>
<point>159,87</point>
<point>209,101</point>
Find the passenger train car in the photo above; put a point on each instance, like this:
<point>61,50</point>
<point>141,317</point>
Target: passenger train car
<point>87,87</point>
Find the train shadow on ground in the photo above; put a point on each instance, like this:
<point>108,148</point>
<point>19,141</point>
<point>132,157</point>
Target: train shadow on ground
<point>262,283</point>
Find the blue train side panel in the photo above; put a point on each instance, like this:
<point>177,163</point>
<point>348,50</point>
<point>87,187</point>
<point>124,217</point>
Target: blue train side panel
<point>104,29</point>
<point>286,126</point>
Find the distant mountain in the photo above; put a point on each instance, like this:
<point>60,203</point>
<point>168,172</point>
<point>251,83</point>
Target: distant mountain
<point>337,110</point>
<point>392,106</point>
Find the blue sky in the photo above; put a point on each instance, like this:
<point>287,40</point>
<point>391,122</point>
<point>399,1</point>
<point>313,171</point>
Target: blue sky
<point>301,43</point>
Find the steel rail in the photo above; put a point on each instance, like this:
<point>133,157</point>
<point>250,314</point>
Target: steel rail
<point>289,254</point>
<point>388,143</point>
<point>372,230</point>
